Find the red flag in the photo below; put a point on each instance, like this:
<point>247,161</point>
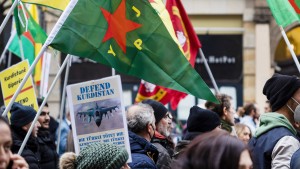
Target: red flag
<point>151,91</point>
<point>187,38</point>
<point>190,44</point>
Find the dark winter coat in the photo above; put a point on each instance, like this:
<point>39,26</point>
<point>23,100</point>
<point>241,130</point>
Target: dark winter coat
<point>181,145</point>
<point>295,161</point>
<point>144,154</point>
<point>47,149</point>
<point>30,151</point>
<point>165,149</point>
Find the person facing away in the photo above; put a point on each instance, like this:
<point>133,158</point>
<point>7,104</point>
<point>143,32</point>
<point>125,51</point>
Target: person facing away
<point>267,107</point>
<point>65,131</point>
<point>21,120</point>
<point>250,116</point>
<point>295,160</point>
<point>243,132</point>
<point>225,110</point>
<point>215,150</point>
<point>96,156</point>
<point>47,147</point>
<point>275,139</point>
<point>141,126</point>
<point>7,159</point>
<point>163,123</point>
<point>199,121</point>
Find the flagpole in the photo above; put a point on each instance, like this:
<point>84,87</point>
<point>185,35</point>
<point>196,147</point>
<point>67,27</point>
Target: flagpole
<point>290,48</point>
<point>43,104</point>
<point>7,45</point>
<point>62,105</point>
<point>209,71</point>
<point>21,48</point>
<point>24,80</point>
<point>9,59</point>
<point>113,71</point>
<point>8,15</point>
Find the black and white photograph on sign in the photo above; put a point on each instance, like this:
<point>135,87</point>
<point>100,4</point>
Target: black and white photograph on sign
<point>98,116</point>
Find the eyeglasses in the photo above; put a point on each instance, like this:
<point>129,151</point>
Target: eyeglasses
<point>169,115</point>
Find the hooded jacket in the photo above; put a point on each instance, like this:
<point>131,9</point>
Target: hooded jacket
<point>143,153</point>
<point>274,142</point>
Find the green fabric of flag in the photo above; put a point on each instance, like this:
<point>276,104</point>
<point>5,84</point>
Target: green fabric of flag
<point>129,36</point>
<point>285,12</point>
<point>38,34</point>
<point>28,48</point>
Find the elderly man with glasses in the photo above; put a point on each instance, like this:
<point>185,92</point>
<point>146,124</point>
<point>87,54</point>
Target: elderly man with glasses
<point>161,138</point>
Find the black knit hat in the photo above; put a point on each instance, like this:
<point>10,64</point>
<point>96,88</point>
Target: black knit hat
<point>202,120</point>
<point>159,109</point>
<point>279,89</point>
<point>102,155</point>
<point>21,115</point>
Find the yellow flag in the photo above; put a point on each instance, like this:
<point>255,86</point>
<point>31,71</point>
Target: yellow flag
<point>57,4</point>
<point>163,13</point>
<point>37,47</point>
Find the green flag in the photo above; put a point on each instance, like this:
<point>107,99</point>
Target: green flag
<point>38,34</point>
<point>130,36</point>
<point>285,12</point>
<point>27,44</point>
<point>34,34</point>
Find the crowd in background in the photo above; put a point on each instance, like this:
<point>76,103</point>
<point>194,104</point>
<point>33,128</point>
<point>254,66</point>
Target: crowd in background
<point>215,137</point>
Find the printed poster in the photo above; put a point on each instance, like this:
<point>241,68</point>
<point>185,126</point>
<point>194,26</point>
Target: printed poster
<point>98,113</point>
<point>11,79</point>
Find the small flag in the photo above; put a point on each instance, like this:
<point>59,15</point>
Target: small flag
<point>56,4</point>
<point>285,12</point>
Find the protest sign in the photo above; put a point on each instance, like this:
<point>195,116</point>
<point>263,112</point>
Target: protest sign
<point>10,80</point>
<point>98,113</point>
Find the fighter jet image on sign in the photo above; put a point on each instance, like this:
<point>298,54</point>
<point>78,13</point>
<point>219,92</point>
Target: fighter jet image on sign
<point>96,113</point>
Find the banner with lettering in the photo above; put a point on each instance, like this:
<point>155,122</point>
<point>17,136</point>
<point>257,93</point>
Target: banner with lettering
<point>11,78</point>
<point>98,113</point>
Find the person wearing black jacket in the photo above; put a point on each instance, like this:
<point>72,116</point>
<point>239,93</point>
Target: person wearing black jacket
<point>21,120</point>
<point>49,157</point>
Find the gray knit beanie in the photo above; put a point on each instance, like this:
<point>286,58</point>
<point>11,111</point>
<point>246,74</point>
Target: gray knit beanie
<point>102,156</point>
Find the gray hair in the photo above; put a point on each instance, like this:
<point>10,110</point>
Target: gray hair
<point>139,116</point>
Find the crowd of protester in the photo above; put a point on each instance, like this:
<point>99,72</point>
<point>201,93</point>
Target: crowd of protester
<point>216,136</point>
